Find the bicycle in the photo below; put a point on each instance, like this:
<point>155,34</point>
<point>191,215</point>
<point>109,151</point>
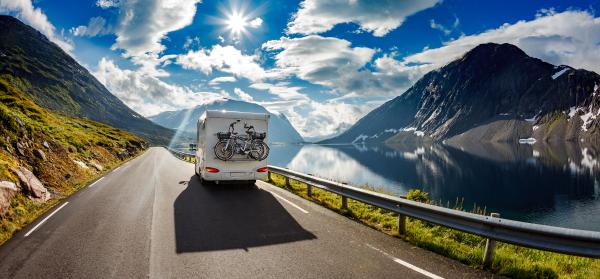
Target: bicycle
<point>252,144</point>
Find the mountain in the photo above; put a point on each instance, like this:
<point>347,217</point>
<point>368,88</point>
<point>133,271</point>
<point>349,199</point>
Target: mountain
<point>280,128</point>
<point>46,156</point>
<point>494,93</point>
<point>54,80</point>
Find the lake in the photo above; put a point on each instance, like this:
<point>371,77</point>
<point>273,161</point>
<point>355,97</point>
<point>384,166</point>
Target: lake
<point>551,185</point>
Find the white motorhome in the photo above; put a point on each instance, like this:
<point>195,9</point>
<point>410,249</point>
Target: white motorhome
<point>217,127</point>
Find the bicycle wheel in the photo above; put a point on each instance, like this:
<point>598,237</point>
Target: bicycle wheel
<point>265,153</point>
<point>256,151</point>
<point>223,153</point>
<point>259,151</point>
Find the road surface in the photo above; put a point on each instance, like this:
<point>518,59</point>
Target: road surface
<point>152,218</point>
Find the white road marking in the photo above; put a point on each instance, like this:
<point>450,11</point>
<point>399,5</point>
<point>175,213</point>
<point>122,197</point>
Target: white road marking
<point>289,202</point>
<point>92,185</point>
<point>45,219</point>
<point>406,264</point>
<point>116,169</point>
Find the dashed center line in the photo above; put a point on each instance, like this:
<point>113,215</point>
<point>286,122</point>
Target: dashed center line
<point>289,202</point>
<point>406,264</point>
<point>92,185</point>
<point>45,219</point>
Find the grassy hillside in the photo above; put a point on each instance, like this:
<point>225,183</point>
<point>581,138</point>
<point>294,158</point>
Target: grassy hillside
<point>66,142</point>
<point>54,80</point>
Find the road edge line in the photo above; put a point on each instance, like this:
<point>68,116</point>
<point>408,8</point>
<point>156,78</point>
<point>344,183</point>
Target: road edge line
<point>289,202</point>
<point>406,264</point>
<point>45,219</point>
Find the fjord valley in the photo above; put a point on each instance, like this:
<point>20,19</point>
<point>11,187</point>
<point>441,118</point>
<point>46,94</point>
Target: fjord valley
<point>433,139</point>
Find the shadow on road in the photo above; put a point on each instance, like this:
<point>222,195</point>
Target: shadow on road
<point>219,217</point>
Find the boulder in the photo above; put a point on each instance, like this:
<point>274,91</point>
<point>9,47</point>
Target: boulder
<point>96,166</point>
<point>20,149</point>
<point>40,154</point>
<point>81,164</point>
<point>45,144</point>
<point>35,189</point>
<point>7,191</point>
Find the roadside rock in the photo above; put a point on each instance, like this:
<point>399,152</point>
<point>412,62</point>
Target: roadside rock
<point>81,164</point>
<point>45,144</point>
<point>33,186</point>
<point>97,166</point>
<point>20,149</point>
<point>7,191</point>
<point>40,154</point>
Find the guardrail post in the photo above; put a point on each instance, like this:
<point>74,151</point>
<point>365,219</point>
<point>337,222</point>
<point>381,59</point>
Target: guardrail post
<point>490,244</point>
<point>308,190</point>
<point>287,182</point>
<point>401,224</point>
<point>344,202</point>
<point>269,178</point>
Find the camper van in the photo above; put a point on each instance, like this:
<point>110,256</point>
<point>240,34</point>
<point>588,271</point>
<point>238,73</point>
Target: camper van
<point>232,146</point>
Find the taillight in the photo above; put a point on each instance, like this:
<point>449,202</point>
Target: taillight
<point>213,170</point>
<point>263,169</point>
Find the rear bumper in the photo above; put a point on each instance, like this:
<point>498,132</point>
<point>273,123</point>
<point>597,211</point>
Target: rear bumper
<point>230,176</point>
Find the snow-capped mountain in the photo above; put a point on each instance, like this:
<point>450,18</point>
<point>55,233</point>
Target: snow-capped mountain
<point>494,93</point>
<point>280,128</point>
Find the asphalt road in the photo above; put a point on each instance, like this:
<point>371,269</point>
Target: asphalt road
<point>152,218</point>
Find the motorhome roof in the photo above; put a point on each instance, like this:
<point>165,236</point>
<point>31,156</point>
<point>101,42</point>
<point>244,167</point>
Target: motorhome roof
<point>234,115</point>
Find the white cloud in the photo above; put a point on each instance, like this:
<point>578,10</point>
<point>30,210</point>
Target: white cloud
<point>282,90</point>
<point>227,59</point>
<point>97,26</point>
<point>191,42</point>
<point>35,17</point>
<point>446,30</point>
<point>144,24</point>
<point>104,4</point>
<point>376,16</point>
<point>149,95</point>
<point>219,80</point>
<point>243,95</point>
<point>333,63</point>
<point>570,38</point>
<point>255,23</point>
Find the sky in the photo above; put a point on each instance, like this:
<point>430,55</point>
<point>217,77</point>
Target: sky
<point>322,63</point>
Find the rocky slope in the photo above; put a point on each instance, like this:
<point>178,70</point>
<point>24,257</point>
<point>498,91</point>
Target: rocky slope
<point>494,93</point>
<point>46,156</point>
<point>280,128</point>
<point>54,80</point>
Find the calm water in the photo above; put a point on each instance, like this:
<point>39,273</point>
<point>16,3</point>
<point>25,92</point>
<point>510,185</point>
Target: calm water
<point>553,185</point>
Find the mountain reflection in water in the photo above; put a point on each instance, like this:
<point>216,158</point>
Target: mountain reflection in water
<point>553,185</point>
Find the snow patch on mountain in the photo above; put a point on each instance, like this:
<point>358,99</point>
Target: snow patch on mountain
<point>559,73</point>
<point>360,138</point>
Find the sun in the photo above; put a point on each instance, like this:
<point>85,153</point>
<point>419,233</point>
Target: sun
<point>236,23</point>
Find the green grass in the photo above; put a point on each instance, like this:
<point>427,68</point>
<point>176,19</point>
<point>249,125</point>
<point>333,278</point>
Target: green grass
<point>69,139</point>
<point>509,260</point>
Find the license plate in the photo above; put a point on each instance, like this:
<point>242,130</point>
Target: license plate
<point>238,174</point>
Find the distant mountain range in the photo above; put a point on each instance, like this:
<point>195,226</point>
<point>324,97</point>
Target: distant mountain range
<point>54,80</point>
<point>494,93</point>
<point>280,128</point>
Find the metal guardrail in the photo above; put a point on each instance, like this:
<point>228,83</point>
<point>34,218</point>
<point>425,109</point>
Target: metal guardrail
<point>188,157</point>
<point>549,238</point>
<point>556,239</point>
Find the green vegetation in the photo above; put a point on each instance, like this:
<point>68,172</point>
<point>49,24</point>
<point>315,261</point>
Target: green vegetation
<point>27,127</point>
<point>509,260</point>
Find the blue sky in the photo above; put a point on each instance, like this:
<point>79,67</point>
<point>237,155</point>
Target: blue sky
<point>324,64</point>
